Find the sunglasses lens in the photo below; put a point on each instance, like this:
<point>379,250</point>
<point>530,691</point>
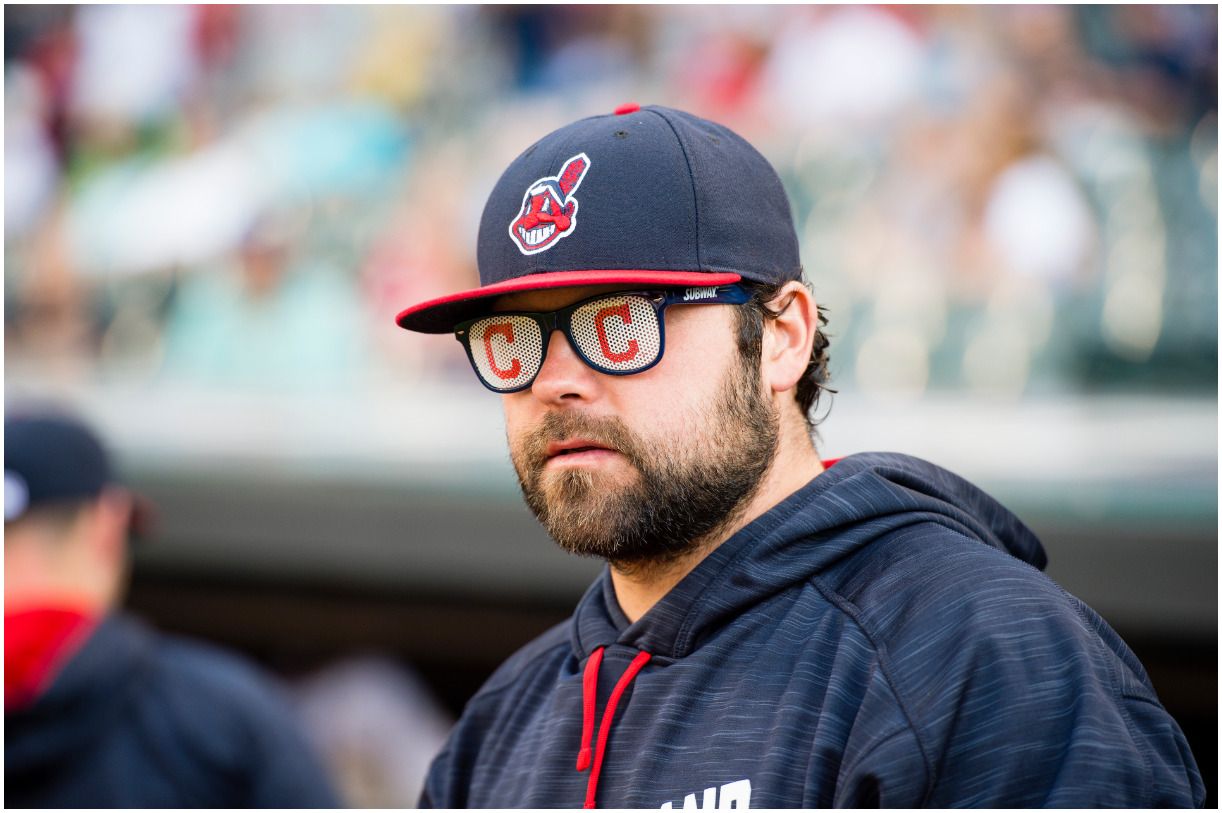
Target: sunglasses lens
<point>617,334</point>
<point>506,351</point>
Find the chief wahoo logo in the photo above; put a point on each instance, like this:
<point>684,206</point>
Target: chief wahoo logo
<point>549,210</point>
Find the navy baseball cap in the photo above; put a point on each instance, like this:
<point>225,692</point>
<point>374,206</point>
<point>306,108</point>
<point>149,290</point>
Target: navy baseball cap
<point>50,457</point>
<point>646,196</point>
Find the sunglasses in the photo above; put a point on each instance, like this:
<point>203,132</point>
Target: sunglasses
<point>619,333</point>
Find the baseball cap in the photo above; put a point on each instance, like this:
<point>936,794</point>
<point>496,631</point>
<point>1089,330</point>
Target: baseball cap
<point>51,457</point>
<point>647,196</point>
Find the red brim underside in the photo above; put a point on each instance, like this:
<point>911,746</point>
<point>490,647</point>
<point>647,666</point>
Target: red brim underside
<point>442,314</point>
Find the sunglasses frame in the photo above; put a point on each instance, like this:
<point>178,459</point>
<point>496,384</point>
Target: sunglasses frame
<point>561,319</point>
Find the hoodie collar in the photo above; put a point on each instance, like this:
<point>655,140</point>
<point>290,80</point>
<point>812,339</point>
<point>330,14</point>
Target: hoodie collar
<point>38,641</point>
<point>836,514</point>
<point>91,689</point>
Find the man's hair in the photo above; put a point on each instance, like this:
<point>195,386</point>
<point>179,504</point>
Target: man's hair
<point>750,322</point>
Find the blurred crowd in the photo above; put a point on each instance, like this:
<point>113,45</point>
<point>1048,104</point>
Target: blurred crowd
<point>1005,200</point>
<point>1002,200</point>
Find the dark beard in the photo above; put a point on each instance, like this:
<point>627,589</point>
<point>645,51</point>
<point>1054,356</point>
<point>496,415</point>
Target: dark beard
<point>683,493</point>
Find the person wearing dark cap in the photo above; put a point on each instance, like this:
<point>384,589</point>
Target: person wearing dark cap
<point>99,709</point>
<point>773,629</point>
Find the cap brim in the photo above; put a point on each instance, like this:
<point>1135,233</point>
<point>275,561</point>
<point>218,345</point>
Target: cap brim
<point>442,314</point>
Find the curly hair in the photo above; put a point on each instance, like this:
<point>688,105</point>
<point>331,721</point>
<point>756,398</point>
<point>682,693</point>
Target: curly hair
<point>750,324</point>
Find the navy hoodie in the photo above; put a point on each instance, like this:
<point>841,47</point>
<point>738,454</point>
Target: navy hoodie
<point>139,719</point>
<point>883,636</point>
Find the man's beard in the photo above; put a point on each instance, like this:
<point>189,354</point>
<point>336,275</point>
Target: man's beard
<point>686,487</point>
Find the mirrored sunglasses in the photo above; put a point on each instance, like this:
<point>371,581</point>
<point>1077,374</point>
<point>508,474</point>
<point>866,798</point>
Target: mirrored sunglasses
<point>619,333</point>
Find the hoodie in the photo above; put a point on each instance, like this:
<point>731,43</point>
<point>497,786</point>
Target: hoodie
<point>882,637</point>
<point>139,719</point>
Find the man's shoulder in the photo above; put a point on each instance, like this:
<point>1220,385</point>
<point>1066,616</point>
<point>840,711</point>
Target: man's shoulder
<point>980,652</point>
<point>207,667</point>
<point>929,584</point>
<point>926,559</point>
<point>196,685</point>
<point>940,606</point>
<point>526,678</point>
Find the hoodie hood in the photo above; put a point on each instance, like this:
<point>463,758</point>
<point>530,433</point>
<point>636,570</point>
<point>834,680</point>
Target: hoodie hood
<point>91,690</point>
<point>837,514</point>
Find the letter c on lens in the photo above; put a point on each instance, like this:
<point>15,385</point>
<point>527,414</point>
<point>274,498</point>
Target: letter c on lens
<point>506,330</point>
<point>625,316</point>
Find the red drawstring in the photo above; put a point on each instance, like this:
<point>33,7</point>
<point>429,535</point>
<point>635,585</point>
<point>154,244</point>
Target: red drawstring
<point>589,699</point>
<point>589,685</point>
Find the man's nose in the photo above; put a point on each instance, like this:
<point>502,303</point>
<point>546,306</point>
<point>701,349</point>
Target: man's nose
<point>564,377</point>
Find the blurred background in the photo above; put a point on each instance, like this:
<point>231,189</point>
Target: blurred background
<point>213,213</point>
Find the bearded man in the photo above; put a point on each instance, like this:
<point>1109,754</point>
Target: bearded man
<point>772,629</point>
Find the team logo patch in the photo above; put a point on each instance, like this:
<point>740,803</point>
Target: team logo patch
<point>549,210</point>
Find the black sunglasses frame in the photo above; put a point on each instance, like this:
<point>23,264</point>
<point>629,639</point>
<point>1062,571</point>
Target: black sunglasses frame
<point>561,319</point>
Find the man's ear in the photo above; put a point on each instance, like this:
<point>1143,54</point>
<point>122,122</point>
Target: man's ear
<point>112,517</point>
<point>789,337</point>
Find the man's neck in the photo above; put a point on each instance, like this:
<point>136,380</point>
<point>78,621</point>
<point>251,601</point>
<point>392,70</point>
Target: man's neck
<point>641,586</point>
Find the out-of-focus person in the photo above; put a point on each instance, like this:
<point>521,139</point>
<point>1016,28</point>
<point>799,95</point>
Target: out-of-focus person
<point>99,709</point>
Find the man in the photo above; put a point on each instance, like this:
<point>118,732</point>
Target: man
<point>772,630</point>
<point>99,710</point>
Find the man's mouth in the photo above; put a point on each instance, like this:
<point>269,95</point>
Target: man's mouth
<point>578,449</point>
<point>536,237</point>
